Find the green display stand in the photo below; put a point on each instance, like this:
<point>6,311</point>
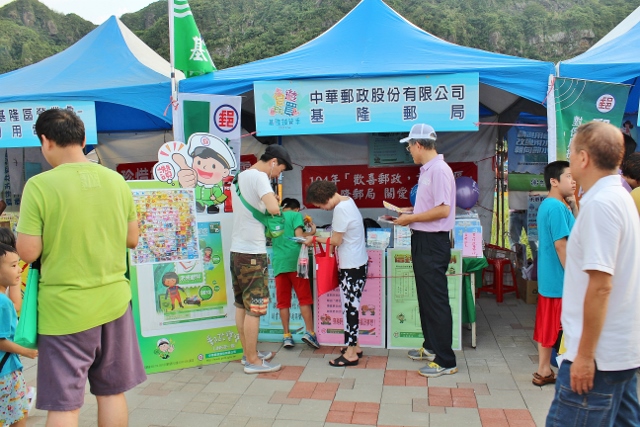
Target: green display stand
<point>472,266</point>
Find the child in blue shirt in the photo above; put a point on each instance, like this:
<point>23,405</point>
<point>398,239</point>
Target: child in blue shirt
<point>13,391</point>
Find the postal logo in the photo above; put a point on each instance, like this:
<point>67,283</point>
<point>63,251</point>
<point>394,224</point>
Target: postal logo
<point>605,103</point>
<point>226,118</point>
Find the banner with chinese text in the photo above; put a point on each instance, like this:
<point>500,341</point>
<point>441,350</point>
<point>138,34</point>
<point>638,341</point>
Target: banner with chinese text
<point>449,102</point>
<point>139,171</point>
<point>370,186</point>
<point>581,101</point>
<point>18,121</point>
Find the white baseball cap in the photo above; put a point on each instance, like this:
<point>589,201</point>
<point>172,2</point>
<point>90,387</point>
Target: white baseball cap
<point>420,131</point>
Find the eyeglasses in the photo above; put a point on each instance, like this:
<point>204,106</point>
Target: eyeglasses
<point>409,145</point>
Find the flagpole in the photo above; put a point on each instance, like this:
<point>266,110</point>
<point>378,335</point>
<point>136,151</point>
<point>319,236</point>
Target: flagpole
<point>174,88</point>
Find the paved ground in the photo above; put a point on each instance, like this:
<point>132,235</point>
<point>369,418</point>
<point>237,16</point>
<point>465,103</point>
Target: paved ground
<point>492,388</point>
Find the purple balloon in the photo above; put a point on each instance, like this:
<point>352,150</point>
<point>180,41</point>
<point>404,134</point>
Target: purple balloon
<point>467,192</point>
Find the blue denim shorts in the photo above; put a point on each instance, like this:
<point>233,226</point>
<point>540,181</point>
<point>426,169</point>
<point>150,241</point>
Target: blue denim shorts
<point>613,401</point>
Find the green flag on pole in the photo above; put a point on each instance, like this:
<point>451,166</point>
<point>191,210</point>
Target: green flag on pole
<point>189,51</point>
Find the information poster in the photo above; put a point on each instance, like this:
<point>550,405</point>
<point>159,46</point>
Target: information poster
<point>181,295</point>
<point>329,320</point>
<point>270,324</point>
<point>385,149</point>
<point>534,202</point>
<point>527,153</point>
<point>404,330</point>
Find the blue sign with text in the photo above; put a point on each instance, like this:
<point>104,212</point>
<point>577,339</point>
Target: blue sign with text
<point>18,121</point>
<point>448,102</point>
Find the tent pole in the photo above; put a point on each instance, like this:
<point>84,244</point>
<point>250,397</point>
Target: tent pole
<point>502,156</point>
<point>174,89</point>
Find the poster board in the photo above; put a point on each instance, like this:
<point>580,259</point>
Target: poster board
<point>403,324</point>
<point>328,310</point>
<point>193,325</point>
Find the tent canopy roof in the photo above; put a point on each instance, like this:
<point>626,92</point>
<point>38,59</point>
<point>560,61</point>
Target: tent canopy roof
<point>375,41</point>
<point>111,66</point>
<point>615,58</point>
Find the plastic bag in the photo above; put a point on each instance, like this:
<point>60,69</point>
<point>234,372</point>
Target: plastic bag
<point>303,262</point>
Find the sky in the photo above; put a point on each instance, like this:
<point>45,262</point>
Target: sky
<point>96,11</point>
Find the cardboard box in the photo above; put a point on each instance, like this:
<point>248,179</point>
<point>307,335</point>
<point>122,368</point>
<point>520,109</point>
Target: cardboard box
<point>528,290</point>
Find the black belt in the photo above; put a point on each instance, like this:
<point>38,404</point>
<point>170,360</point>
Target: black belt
<point>429,232</point>
<point>520,211</point>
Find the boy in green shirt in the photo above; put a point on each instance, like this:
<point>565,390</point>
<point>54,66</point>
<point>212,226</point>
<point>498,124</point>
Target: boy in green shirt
<point>285,266</point>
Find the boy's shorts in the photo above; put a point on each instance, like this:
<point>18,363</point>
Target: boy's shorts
<point>547,326</point>
<point>108,355</point>
<point>250,282</point>
<point>285,282</point>
<point>14,405</point>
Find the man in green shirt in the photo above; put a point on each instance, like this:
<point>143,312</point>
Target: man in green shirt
<point>79,218</point>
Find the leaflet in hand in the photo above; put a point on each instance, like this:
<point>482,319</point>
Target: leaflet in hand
<point>395,208</point>
<point>297,239</point>
<point>387,218</point>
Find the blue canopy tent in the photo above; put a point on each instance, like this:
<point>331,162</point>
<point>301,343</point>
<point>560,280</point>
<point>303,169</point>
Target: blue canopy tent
<point>375,41</point>
<point>128,81</point>
<point>615,59</point>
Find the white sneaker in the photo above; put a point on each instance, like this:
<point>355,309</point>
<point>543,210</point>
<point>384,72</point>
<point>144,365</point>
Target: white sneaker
<point>421,354</point>
<point>433,370</point>
<point>261,369</point>
<point>31,397</point>
<point>262,355</point>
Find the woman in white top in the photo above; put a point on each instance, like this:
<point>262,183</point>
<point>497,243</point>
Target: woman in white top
<point>348,239</point>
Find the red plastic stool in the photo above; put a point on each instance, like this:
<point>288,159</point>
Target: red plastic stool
<point>494,280</point>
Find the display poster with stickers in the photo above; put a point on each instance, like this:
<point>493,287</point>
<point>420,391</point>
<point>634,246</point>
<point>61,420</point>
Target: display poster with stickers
<point>181,293</point>
<point>403,314</point>
<point>329,318</point>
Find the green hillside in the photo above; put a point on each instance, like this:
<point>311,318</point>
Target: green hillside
<point>241,31</point>
<point>30,32</point>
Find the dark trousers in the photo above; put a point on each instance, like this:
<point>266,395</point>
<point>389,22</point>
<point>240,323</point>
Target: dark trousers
<point>431,253</point>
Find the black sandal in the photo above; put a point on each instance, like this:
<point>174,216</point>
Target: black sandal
<point>343,350</point>
<point>342,361</point>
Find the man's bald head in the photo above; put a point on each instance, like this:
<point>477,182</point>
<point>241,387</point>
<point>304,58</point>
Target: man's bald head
<point>604,143</point>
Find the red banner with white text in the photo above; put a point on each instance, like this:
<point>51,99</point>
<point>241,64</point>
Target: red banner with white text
<point>370,186</point>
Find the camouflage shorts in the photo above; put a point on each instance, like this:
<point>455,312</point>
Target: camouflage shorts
<point>250,282</point>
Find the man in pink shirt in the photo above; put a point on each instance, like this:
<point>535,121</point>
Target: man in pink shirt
<point>431,222</point>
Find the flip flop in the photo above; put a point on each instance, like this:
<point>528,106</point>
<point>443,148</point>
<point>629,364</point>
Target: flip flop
<point>343,350</point>
<point>540,381</point>
<point>341,362</point>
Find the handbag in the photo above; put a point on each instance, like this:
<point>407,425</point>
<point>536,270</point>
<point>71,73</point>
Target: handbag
<point>326,268</point>
<point>273,224</point>
<point>27,329</point>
